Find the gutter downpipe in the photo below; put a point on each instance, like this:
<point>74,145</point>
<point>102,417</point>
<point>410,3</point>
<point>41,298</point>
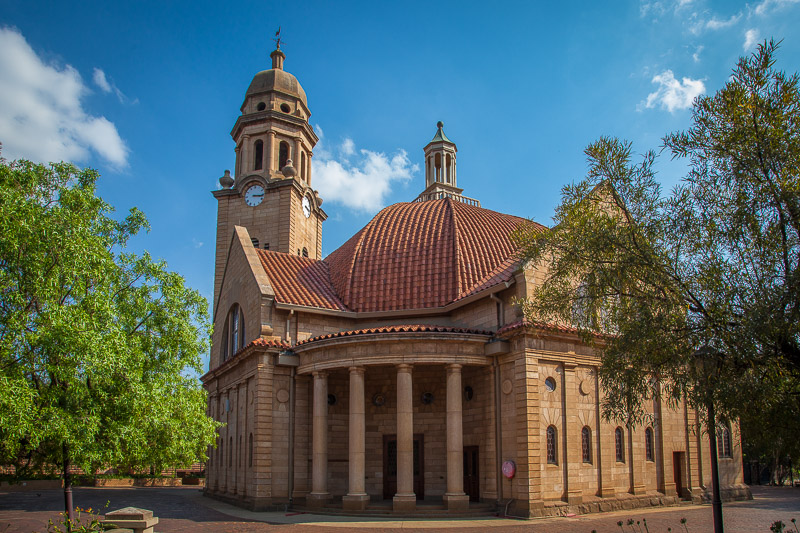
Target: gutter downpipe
<point>292,375</point>
<point>498,432</point>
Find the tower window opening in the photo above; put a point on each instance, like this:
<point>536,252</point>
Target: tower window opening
<point>303,165</point>
<point>285,108</point>
<point>266,246</point>
<point>254,241</point>
<point>648,445</point>
<point>437,164</point>
<point>448,160</point>
<point>283,154</point>
<point>305,252</point>
<point>258,162</point>
<point>261,106</point>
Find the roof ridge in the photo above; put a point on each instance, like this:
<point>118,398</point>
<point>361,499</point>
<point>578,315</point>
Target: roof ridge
<point>448,202</point>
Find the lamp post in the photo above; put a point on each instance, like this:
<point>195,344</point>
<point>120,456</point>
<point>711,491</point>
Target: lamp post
<point>707,362</point>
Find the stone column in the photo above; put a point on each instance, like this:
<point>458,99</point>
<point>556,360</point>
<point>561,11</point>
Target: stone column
<point>319,446</point>
<point>296,159</point>
<point>247,165</point>
<point>405,499</point>
<point>455,498</point>
<point>357,497</point>
<point>270,152</point>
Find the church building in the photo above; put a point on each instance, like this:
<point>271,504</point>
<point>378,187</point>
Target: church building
<point>397,373</point>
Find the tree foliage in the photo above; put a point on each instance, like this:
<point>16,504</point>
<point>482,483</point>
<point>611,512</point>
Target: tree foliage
<point>712,263</point>
<point>97,345</point>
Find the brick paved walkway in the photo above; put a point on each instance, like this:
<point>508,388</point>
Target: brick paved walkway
<point>183,509</point>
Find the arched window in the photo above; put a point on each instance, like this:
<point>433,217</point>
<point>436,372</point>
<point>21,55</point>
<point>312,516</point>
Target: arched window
<point>250,452</point>
<point>303,165</point>
<point>258,161</point>
<point>724,441</point>
<point>586,444</point>
<point>619,443</point>
<point>648,445</point>
<point>233,332</point>
<point>305,251</point>
<point>551,445</point>
<point>447,168</point>
<point>283,154</point>
<point>437,164</point>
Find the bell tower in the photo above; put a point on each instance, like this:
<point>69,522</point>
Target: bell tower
<point>270,192</point>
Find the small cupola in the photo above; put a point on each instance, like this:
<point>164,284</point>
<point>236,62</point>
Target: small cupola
<point>440,170</point>
<point>440,159</point>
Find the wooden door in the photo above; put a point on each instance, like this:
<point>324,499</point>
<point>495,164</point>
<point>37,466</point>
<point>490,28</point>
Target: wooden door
<point>677,472</point>
<point>390,466</point>
<point>471,473</point>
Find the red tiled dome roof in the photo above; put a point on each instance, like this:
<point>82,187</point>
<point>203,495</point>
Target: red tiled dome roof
<point>423,254</point>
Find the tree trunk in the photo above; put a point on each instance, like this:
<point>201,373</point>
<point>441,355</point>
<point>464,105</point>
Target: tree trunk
<point>68,507</point>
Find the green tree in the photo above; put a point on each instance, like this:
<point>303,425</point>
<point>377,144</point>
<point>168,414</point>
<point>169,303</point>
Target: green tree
<point>711,264</point>
<point>97,346</point>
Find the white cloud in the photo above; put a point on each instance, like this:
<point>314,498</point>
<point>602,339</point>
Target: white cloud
<point>768,5</point>
<point>99,79</point>
<point>717,24</point>
<point>358,179</point>
<point>751,38</point>
<point>696,54</point>
<point>41,111</point>
<point>673,94</point>
<point>348,147</point>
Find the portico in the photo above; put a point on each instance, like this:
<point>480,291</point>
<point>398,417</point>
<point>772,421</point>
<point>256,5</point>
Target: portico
<point>429,384</point>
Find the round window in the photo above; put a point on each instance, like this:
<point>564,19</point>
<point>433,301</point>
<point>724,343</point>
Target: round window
<point>550,383</point>
<point>261,106</point>
<point>331,399</point>
<point>285,108</point>
<point>427,398</point>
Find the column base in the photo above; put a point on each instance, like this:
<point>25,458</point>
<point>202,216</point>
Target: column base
<point>355,502</point>
<point>318,499</point>
<point>575,497</point>
<point>609,492</point>
<point>638,489</point>
<point>403,503</point>
<point>456,502</point>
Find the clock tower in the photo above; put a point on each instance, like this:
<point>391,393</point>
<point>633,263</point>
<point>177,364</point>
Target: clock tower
<point>270,192</point>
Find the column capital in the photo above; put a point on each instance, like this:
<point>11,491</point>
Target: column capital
<point>357,370</point>
<point>271,132</point>
<point>454,367</point>
<point>404,367</point>
<point>319,374</point>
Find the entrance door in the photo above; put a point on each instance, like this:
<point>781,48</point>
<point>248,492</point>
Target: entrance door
<point>471,477</point>
<point>677,472</point>
<point>390,466</point>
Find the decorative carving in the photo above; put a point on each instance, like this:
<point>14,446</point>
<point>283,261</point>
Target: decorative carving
<point>507,387</point>
<point>282,395</point>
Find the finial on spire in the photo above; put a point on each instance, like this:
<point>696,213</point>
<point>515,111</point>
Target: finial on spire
<point>277,55</point>
<point>440,124</point>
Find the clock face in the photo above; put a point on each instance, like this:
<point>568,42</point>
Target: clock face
<point>254,195</point>
<point>306,207</point>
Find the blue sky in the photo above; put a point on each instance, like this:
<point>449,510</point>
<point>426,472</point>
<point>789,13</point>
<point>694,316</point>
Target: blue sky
<point>147,92</point>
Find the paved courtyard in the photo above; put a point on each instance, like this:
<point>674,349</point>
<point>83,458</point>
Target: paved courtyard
<point>184,509</point>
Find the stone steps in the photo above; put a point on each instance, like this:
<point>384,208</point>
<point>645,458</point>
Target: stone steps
<point>384,510</point>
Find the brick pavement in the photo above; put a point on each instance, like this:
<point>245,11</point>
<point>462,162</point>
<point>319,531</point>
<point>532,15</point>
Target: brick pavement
<point>183,509</point>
